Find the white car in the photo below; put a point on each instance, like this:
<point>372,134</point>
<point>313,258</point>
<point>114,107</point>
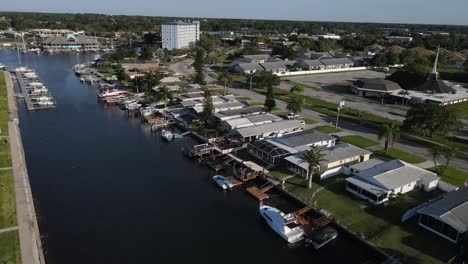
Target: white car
<point>293,116</point>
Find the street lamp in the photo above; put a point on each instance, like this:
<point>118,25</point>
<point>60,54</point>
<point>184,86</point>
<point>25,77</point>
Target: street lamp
<point>340,106</point>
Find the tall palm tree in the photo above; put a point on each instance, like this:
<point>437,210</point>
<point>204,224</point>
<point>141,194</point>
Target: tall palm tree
<point>165,94</point>
<point>226,79</point>
<point>404,93</point>
<point>390,132</point>
<point>295,103</point>
<point>449,154</point>
<point>315,159</point>
<point>435,151</point>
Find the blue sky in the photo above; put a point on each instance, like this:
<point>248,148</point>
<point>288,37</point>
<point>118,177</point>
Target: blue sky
<point>393,11</point>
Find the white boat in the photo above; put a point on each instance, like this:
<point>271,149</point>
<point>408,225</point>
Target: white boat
<point>167,135</point>
<point>106,93</point>
<point>222,182</point>
<point>22,69</point>
<point>285,225</point>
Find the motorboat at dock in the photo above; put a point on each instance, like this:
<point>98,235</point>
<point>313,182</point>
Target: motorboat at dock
<point>285,225</point>
<point>167,135</point>
<point>222,182</point>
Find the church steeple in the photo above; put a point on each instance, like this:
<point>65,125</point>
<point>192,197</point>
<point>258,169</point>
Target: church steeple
<point>434,75</point>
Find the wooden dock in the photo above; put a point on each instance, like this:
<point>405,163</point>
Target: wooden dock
<point>234,181</point>
<point>27,98</point>
<point>257,193</point>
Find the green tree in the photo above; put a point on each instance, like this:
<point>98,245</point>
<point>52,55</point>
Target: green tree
<point>226,79</point>
<point>270,101</point>
<point>164,94</point>
<point>390,132</point>
<point>198,66</point>
<point>393,59</point>
<point>380,60</point>
<point>314,158</point>
<point>296,89</point>
<point>432,119</point>
<point>123,76</point>
<point>152,79</point>
<point>449,153</point>
<point>295,103</point>
<point>207,116</point>
<point>146,53</point>
<point>263,79</point>
<point>435,151</point>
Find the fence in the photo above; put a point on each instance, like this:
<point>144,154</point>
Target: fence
<point>282,74</point>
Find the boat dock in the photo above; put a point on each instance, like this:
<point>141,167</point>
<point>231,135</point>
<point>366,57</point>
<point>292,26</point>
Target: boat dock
<point>260,194</point>
<point>31,105</point>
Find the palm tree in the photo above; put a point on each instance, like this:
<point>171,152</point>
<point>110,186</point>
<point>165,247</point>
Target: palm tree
<point>295,103</point>
<point>165,94</point>
<point>435,151</point>
<point>449,154</point>
<point>315,159</point>
<point>404,93</point>
<point>226,79</point>
<point>390,132</point>
<point>382,97</point>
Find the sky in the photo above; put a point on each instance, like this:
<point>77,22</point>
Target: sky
<point>390,11</point>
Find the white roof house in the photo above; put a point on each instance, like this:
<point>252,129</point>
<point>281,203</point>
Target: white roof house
<point>269,130</point>
<point>252,120</point>
<point>379,180</point>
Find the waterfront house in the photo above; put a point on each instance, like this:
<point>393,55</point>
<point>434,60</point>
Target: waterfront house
<point>247,68</point>
<point>376,181</point>
<point>337,157</point>
<point>311,65</point>
<point>273,150</point>
<point>238,113</point>
<point>337,63</point>
<point>252,120</point>
<point>447,215</point>
<point>70,42</point>
<point>249,134</point>
<point>374,87</point>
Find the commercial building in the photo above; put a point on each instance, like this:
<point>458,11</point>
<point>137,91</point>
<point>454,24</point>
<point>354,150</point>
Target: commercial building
<point>46,32</point>
<point>180,35</point>
<point>374,87</point>
<point>376,181</point>
<point>447,216</point>
<point>70,42</point>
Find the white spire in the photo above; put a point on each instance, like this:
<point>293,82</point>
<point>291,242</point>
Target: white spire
<point>434,69</point>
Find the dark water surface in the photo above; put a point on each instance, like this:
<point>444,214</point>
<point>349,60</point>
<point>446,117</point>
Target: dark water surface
<point>107,190</point>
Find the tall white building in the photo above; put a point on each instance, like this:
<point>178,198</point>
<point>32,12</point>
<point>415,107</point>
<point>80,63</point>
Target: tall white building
<point>180,35</point>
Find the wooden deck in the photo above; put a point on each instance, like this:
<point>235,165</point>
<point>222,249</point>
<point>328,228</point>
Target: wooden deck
<point>257,193</point>
<point>234,181</point>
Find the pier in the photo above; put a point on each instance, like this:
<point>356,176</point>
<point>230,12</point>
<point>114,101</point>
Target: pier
<point>31,106</point>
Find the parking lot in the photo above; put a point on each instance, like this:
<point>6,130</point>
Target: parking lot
<point>327,79</point>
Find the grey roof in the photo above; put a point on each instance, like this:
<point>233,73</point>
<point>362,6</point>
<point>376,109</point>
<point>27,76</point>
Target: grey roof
<point>362,166</point>
<point>339,152</point>
<point>367,186</point>
<point>312,55</point>
<point>257,57</point>
<point>451,208</point>
<point>249,66</point>
<point>263,118</point>
<point>303,138</point>
<point>312,62</point>
<point>336,61</point>
<point>277,65</point>
<point>269,128</point>
<point>78,40</point>
<point>377,85</point>
<point>243,111</point>
<point>394,174</point>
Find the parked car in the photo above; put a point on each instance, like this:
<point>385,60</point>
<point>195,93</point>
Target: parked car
<point>292,116</point>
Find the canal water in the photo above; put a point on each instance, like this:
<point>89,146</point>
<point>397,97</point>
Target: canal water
<point>108,190</point>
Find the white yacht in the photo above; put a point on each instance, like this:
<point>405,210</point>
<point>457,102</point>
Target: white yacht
<point>222,182</point>
<point>285,225</point>
<point>167,135</point>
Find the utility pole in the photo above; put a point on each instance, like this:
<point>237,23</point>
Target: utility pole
<point>250,90</point>
<point>340,106</point>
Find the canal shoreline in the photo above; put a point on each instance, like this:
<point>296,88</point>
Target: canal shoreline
<point>29,235</point>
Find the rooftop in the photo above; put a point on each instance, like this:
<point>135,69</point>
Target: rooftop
<point>240,112</point>
<point>76,39</point>
<point>302,140</point>
<point>336,61</point>
<point>377,85</point>
<point>270,128</point>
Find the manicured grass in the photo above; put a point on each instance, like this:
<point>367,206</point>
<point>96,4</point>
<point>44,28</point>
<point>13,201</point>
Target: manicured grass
<point>394,153</point>
<point>452,175</point>
<point>327,129</point>
<point>309,121</point>
<point>7,199</point>
<point>3,106</point>
<point>10,248</point>
<point>238,78</point>
<point>461,109</point>
<point>5,153</point>
<point>242,98</point>
<point>380,225</point>
<point>359,141</point>
<point>280,173</point>
<point>256,104</point>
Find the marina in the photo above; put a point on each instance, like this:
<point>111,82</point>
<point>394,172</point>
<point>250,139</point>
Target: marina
<point>128,186</point>
<point>34,92</point>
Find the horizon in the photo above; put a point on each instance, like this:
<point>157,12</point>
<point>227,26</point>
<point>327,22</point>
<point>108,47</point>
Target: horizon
<point>365,11</point>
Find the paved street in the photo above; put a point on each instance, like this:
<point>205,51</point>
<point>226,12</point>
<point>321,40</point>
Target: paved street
<point>183,67</point>
<point>329,81</point>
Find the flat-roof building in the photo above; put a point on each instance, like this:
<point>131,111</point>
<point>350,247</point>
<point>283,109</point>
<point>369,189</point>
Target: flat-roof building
<point>180,35</point>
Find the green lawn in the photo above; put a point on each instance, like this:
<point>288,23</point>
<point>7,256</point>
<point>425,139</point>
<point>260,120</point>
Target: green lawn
<point>359,141</point>
<point>394,153</point>
<point>256,104</point>
<point>327,129</point>
<point>309,121</point>
<point>378,224</point>
<point>280,173</point>
<point>7,199</point>
<point>461,109</point>
<point>452,176</point>
<point>10,248</point>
